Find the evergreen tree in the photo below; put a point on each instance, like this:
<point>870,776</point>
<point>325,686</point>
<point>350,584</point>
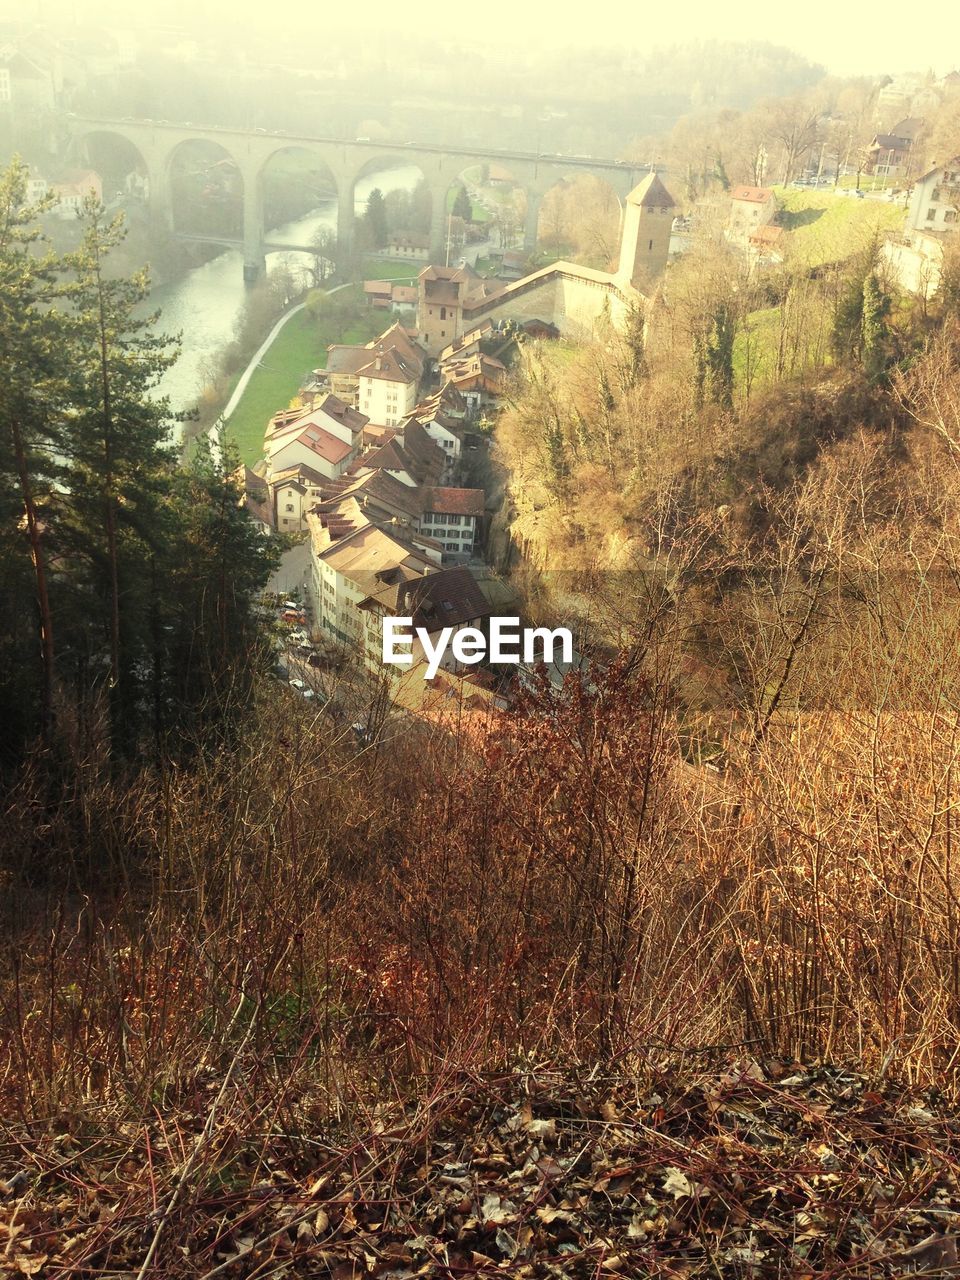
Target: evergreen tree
<point>634,340</point>
<point>875,331</point>
<point>211,584</point>
<point>31,415</point>
<point>375,219</point>
<point>719,356</point>
<point>462,205</point>
<point>847,336</point>
<point>118,458</point>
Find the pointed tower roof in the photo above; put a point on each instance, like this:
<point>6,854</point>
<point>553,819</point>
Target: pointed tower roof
<point>652,192</point>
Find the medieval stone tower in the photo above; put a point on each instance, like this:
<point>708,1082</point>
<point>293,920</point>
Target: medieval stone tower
<point>645,239</point>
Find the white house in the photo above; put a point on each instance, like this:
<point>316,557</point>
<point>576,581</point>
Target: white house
<point>750,209</point>
<point>73,188</point>
<point>388,386</point>
<point>452,517</point>
<point>325,439</point>
<point>936,199</point>
<point>444,432</point>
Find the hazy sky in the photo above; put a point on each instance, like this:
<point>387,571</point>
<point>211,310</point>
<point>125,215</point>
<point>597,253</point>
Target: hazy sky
<point>846,38</point>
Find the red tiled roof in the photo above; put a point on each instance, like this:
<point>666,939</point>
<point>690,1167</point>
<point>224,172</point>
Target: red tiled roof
<point>462,502</point>
<point>313,437</point>
<point>756,195</point>
<point>390,365</point>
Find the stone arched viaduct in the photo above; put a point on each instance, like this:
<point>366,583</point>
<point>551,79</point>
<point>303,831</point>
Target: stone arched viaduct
<point>347,162</point>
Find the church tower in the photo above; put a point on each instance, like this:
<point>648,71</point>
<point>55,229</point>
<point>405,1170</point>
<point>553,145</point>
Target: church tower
<point>645,239</point>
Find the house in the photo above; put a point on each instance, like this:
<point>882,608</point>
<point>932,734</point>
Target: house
<point>766,245</point>
<point>427,458</point>
<point>452,516</point>
<point>374,436</point>
<point>37,186</point>
<point>325,438</point>
<point>412,247</point>
<point>293,492</point>
<point>750,209</point>
<point>344,363</point>
<point>467,344</point>
<point>341,373</point>
<point>73,188</point>
<point>915,260</point>
<point>442,600</point>
<point>378,293</point>
<point>443,430</point>
<point>390,457</point>
<point>477,377</point>
<point>513,265</point>
<point>403,297</point>
<point>935,201</point>
<point>540,330</point>
<point>347,553</point>
<point>889,154</point>
<point>388,385</point>
<point>412,457</point>
<point>383,499</point>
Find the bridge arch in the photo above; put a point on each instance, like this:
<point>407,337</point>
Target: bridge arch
<point>121,164</point>
<point>413,200</point>
<point>293,182</point>
<point>207,189</point>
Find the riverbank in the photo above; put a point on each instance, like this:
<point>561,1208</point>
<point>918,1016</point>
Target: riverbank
<point>297,343</point>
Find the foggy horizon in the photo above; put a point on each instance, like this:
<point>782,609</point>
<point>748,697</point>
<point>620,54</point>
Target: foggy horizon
<point>839,42</point>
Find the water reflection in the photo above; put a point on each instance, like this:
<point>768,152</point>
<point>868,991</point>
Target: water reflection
<point>203,304</point>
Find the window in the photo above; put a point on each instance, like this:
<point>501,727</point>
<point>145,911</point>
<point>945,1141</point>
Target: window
<point>950,215</point>
<point>443,313</point>
<point>931,214</point>
<point>289,506</point>
<point>650,245</point>
<point>443,333</point>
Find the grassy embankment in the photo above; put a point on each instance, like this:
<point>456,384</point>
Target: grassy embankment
<point>300,346</point>
<point>827,227</point>
<point>822,227</point>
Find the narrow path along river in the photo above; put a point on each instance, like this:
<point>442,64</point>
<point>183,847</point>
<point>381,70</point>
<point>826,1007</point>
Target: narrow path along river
<point>203,304</point>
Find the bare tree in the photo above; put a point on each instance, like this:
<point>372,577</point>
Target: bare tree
<point>794,126</point>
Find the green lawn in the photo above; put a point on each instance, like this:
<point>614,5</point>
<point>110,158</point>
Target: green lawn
<point>826,227</point>
<point>300,346</point>
<point>400,270</point>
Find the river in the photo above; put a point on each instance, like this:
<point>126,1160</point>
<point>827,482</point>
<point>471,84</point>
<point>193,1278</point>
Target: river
<point>203,304</point>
